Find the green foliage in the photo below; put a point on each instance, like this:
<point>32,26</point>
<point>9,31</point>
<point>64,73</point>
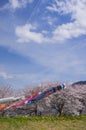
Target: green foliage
<point>43,123</point>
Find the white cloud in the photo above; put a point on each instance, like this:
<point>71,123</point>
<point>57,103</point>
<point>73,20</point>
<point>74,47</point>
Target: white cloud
<point>73,29</point>
<point>7,76</point>
<point>77,9</point>
<point>27,33</point>
<point>68,31</point>
<point>26,78</point>
<point>14,4</point>
<point>50,20</point>
<point>12,76</point>
<point>4,75</point>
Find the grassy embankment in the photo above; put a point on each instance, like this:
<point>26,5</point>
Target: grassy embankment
<point>43,123</point>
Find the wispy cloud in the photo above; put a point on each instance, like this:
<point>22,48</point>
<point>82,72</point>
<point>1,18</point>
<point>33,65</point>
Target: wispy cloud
<point>19,3</point>
<point>14,4</point>
<point>4,75</point>
<point>26,78</point>
<point>50,20</point>
<point>12,76</point>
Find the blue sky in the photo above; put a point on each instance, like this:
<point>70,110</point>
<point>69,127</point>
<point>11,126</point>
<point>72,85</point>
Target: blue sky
<point>42,40</point>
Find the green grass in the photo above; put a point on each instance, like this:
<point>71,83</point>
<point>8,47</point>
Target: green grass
<point>43,123</point>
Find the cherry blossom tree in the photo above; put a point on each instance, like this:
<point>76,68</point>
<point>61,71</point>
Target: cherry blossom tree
<point>6,91</point>
<point>68,101</point>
